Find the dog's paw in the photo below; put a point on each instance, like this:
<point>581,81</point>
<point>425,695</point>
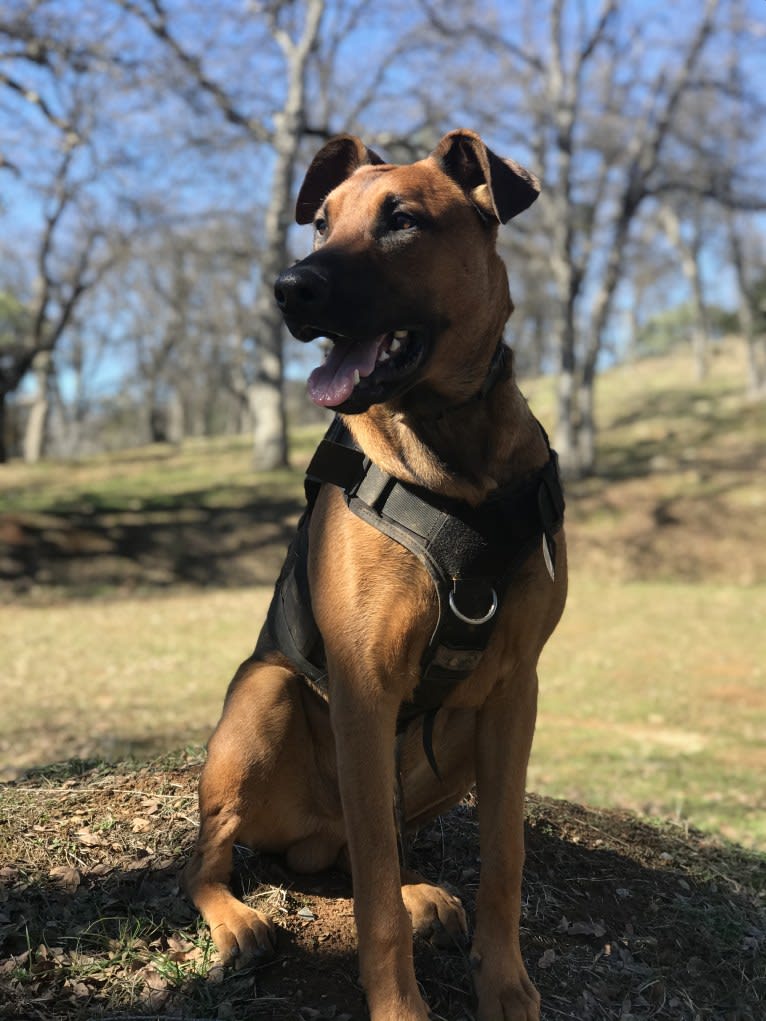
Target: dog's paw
<point>513,1003</point>
<point>507,997</point>
<point>399,1008</point>
<point>435,914</point>
<point>244,936</point>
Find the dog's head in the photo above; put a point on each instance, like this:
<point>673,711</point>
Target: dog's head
<point>404,278</point>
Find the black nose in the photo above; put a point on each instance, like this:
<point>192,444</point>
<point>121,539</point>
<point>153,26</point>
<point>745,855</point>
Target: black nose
<point>301,291</point>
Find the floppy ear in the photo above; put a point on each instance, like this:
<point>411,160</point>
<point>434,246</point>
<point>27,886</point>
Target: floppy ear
<point>336,161</point>
<point>500,188</point>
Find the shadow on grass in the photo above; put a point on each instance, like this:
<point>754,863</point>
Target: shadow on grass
<point>693,424</point>
<point>621,919</point>
<point>204,538</point>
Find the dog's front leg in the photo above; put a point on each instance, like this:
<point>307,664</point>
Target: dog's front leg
<point>364,725</point>
<point>505,728</point>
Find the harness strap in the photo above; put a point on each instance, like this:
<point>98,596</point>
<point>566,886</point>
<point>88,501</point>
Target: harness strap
<point>470,553</point>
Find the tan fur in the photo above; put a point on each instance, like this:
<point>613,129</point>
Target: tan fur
<point>283,772</point>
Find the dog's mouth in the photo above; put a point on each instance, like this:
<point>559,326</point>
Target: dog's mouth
<point>359,373</point>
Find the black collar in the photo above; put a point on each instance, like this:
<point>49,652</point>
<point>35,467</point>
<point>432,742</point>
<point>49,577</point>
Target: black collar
<point>496,371</point>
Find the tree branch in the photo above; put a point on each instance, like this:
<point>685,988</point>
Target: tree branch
<point>158,25</point>
<point>34,98</point>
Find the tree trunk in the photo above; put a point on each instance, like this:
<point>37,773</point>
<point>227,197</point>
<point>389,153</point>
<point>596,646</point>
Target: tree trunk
<point>756,368</point>
<point>755,351</point>
<point>565,440</point>
<point>689,256</point>
<point>176,419</point>
<point>567,412</point>
<point>701,333</point>
<point>267,412</point>
<point>586,433</point>
<point>602,309</point>
<point>156,420</point>
<point>37,420</point>
<point>754,344</point>
<point>3,428</point>
<point>266,394</point>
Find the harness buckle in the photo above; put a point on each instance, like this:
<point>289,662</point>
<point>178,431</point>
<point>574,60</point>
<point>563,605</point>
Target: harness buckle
<point>474,620</point>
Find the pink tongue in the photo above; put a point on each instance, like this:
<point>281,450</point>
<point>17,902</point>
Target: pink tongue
<point>331,384</point>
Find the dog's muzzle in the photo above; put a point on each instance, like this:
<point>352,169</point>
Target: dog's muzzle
<point>303,294</point>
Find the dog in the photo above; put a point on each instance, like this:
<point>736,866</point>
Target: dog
<point>404,279</point>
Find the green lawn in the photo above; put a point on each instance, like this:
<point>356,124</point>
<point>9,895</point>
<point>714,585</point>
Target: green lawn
<point>653,693</point>
<point>653,697</point>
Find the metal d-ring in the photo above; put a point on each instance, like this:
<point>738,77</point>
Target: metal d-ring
<point>473,620</point>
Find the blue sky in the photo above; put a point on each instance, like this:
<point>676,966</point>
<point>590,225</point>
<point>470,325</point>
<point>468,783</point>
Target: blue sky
<point>183,184</point>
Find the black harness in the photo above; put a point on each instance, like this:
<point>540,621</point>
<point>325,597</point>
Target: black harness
<point>471,554</point>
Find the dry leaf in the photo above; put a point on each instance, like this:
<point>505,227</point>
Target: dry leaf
<point>547,959</point>
<point>181,950</point>
<point>179,944</point>
<point>65,876</point>
<point>79,990</point>
<point>89,839</point>
<point>153,979</point>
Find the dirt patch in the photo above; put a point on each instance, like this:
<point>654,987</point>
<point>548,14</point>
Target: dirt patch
<point>621,919</point>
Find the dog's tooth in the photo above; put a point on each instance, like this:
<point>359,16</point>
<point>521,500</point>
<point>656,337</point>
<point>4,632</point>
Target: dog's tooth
<point>400,334</point>
<point>357,377</point>
<point>395,345</point>
<point>384,356</point>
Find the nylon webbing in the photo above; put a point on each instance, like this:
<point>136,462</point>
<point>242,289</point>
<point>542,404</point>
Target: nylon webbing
<point>471,554</point>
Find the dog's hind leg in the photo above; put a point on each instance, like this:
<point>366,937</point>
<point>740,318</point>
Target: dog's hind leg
<point>268,784</point>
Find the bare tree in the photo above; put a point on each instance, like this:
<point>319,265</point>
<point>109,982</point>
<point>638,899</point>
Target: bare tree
<point>295,30</point>
<point>266,398</point>
<point>596,118</point>
<point>14,329</point>
<point>737,186</point>
<point>604,103</point>
<point>637,173</point>
<point>749,262</point>
<point>50,81</point>
<point>60,281</point>
<point>689,247</point>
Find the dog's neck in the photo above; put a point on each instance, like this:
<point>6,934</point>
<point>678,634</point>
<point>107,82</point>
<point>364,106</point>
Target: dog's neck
<point>463,452</point>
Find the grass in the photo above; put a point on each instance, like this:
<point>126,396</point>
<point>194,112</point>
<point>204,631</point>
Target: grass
<point>132,585</point>
<point>144,476</point>
<point>653,697</point>
<point>138,581</point>
<point>116,678</point>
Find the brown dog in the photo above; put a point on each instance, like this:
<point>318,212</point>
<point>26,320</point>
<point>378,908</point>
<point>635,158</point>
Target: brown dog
<point>406,282</point>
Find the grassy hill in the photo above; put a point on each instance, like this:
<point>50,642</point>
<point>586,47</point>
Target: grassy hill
<point>653,689</point>
<point>132,585</point>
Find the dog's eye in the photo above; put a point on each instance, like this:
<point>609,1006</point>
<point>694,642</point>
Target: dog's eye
<point>403,221</point>
<point>320,226</point>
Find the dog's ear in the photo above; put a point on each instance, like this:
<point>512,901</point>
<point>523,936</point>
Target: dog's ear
<point>499,188</point>
<point>336,161</point>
